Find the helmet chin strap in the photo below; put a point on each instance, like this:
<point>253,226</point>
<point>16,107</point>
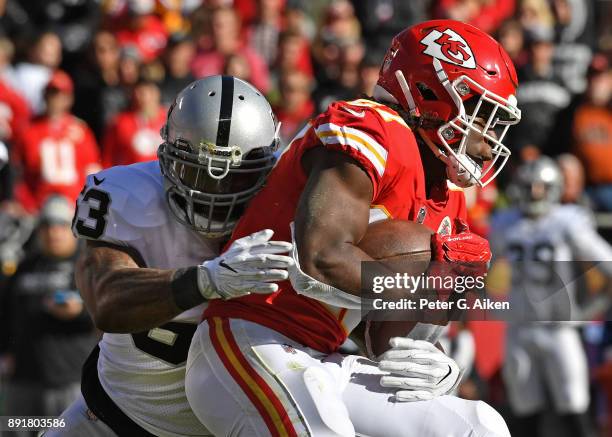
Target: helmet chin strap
<point>455,167</point>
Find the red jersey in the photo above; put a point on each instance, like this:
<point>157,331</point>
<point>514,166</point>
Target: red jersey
<point>14,113</point>
<point>129,138</point>
<point>149,38</point>
<point>55,157</point>
<point>385,147</point>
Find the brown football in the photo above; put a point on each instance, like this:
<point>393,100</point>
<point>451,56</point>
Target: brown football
<point>397,240</point>
<point>399,246</point>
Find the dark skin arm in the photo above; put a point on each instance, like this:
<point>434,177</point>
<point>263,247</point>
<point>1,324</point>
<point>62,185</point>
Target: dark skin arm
<point>106,272</point>
<point>332,217</point>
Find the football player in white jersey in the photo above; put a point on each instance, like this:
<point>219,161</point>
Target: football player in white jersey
<point>545,358</point>
<point>154,231</point>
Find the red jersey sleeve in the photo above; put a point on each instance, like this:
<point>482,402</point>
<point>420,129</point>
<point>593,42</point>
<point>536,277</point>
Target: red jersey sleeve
<point>357,131</point>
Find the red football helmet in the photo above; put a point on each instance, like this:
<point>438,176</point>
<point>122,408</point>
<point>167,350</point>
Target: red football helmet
<point>459,79</point>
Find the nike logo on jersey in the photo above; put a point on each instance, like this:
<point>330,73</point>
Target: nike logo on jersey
<point>223,264</point>
<point>359,114</point>
<point>98,181</point>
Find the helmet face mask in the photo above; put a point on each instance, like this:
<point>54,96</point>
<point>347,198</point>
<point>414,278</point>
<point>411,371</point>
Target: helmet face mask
<point>490,118</point>
<point>208,179</point>
<point>433,69</point>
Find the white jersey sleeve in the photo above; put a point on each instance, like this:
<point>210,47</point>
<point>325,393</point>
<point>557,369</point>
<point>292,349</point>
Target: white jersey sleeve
<point>118,204</point>
<point>582,235</point>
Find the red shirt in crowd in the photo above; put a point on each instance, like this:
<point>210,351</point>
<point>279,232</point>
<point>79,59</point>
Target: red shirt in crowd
<point>130,138</point>
<point>149,38</point>
<point>211,62</point>
<point>55,156</point>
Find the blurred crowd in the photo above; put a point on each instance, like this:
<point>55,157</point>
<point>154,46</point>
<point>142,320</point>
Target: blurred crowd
<point>85,84</point>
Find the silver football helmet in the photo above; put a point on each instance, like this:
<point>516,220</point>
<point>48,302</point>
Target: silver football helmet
<point>219,143</point>
<point>537,186</point>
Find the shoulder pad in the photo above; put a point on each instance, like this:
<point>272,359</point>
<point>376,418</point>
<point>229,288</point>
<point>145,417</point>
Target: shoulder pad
<point>357,131</point>
<point>118,203</point>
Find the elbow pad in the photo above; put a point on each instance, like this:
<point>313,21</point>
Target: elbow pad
<point>308,286</point>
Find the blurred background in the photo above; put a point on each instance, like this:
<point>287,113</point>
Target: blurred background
<point>85,84</point>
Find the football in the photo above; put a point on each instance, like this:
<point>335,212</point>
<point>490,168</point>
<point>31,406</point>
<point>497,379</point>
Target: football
<point>397,240</point>
<point>399,246</point>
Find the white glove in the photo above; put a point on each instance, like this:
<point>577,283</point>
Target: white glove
<point>250,265</point>
<point>419,370</point>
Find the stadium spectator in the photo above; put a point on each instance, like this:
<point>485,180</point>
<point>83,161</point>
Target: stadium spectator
<point>74,22</point>
<point>133,136</point>
<point>293,53</point>
<point>345,84</point>
<point>575,38</point>
<point>262,35</point>
<point>177,60</point>
<point>295,106</point>
<point>141,29</point>
<point>47,333</point>
<point>298,20</point>
<point>222,29</point>
<point>340,22</point>
<point>99,92</point>
<point>57,151</point>
<point>130,63</point>
<point>512,38</point>
<point>237,65</point>
<point>592,133</point>
<point>7,71</point>
<point>33,75</point>
<point>573,179</point>
<point>484,14</point>
<point>381,20</point>
<point>536,15</point>
<point>14,113</point>
<point>368,74</point>
<point>542,94</point>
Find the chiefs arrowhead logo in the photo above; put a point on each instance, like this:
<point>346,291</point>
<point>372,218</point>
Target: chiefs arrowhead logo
<point>449,46</point>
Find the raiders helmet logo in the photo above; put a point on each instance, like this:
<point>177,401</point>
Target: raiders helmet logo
<point>449,46</point>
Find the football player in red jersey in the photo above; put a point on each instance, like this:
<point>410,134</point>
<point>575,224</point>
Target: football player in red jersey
<point>268,365</point>
<point>57,151</point>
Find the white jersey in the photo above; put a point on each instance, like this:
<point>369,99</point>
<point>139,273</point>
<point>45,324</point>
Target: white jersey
<point>144,374</point>
<point>541,250</point>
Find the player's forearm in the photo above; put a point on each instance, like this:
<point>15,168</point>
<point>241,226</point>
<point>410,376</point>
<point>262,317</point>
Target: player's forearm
<point>134,299</point>
<point>336,265</point>
<point>121,295</point>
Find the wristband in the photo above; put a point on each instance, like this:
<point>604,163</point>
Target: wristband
<point>185,290</point>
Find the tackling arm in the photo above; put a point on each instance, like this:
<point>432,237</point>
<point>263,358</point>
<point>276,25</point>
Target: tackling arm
<point>123,296</point>
<point>104,275</point>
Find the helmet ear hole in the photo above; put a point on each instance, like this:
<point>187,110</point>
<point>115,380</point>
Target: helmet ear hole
<point>426,92</point>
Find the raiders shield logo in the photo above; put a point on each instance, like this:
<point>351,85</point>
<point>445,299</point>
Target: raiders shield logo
<point>446,226</point>
<point>449,46</point>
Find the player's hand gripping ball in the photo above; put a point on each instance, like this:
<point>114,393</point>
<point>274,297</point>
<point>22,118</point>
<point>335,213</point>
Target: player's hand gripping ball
<point>467,253</point>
